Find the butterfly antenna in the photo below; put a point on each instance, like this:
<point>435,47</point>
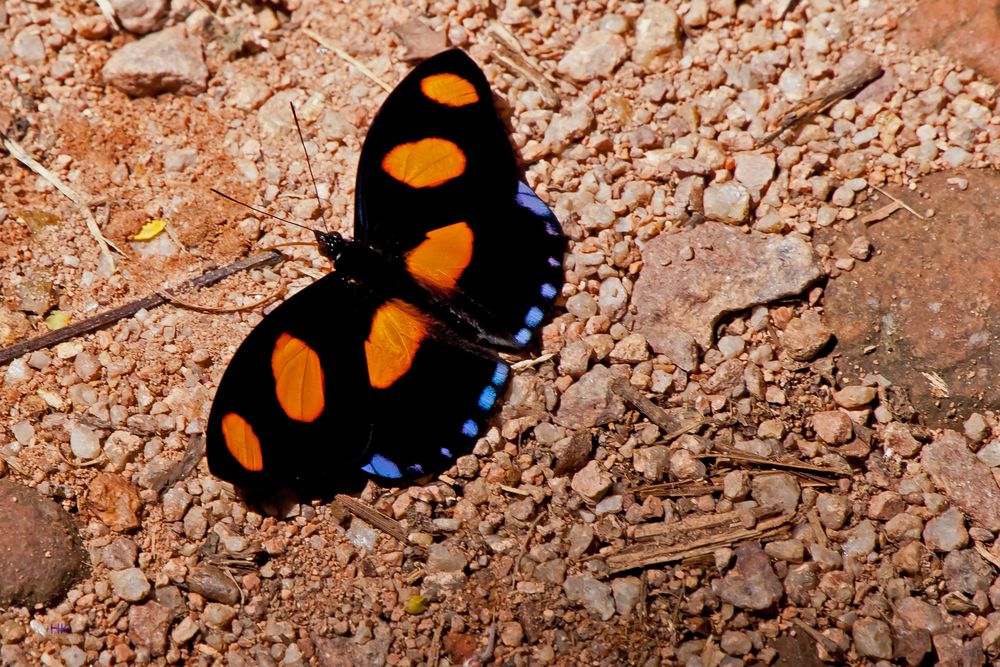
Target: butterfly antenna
<point>261,211</point>
<point>298,129</point>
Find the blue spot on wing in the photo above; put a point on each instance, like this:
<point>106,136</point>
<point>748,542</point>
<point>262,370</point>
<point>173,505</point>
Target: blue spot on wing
<point>470,428</point>
<point>416,468</point>
<point>488,397</point>
<point>526,198</point>
<point>523,336</point>
<point>383,467</point>
<point>534,317</point>
<point>548,291</point>
<point>445,452</point>
<point>554,263</point>
<point>500,374</point>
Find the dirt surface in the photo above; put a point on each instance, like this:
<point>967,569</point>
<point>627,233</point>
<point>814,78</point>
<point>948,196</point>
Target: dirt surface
<point>744,501</point>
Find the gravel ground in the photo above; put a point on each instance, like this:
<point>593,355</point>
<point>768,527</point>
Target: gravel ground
<point>764,508</point>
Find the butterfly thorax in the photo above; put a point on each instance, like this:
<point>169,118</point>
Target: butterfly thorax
<point>370,269</point>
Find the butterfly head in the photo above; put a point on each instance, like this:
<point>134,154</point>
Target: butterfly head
<point>331,244</point>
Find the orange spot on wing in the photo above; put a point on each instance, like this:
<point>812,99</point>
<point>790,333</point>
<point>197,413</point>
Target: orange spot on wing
<point>439,261</point>
<point>298,379</point>
<point>397,331</point>
<point>242,442</point>
<point>426,163</point>
<point>449,89</point>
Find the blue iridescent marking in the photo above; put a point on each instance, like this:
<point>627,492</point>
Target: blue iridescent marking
<point>488,397</point>
<point>534,317</point>
<point>383,467</point>
<point>445,452</point>
<point>526,198</point>
<point>500,374</point>
<point>555,263</point>
<point>548,291</point>
<point>551,227</point>
<point>523,336</point>
<point>417,468</point>
<point>470,428</point>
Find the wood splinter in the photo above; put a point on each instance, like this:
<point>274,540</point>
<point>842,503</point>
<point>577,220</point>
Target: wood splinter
<point>825,98</point>
<point>102,320</point>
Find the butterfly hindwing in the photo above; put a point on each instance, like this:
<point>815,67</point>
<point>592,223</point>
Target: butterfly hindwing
<point>438,187</point>
<point>435,412</point>
<point>317,397</point>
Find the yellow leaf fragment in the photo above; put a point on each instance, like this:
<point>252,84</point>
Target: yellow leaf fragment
<point>416,605</point>
<point>150,230</point>
<point>57,319</point>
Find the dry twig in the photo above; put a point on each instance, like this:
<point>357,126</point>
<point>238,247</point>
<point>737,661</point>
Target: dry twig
<point>102,320</point>
<point>347,57</point>
<point>880,213</point>
<point>644,553</point>
<point>753,459</point>
<point>899,202</point>
<point>190,305</point>
<point>653,412</point>
<point>825,98</point>
<point>82,202</point>
<point>678,489</point>
<point>109,13</point>
<point>513,56</point>
<point>529,363</point>
<point>192,455</point>
<point>828,644</point>
<point>366,512</point>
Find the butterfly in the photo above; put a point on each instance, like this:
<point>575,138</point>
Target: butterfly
<point>387,368</point>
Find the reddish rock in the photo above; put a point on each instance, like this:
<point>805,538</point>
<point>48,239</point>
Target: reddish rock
<point>460,647</point>
<point>833,427</point>
<point>114,501</point>
<point>590,401</point>
<point>148,625</point>
<point>967,481</point>
<point>751,584</point>
<point>41,553</point>
<point>897,437</point>
<point>968,31</point>
<point>926,302</point>
<point>166,61</point>
<point>885,505</point>
<point>572,453</point>
<point>141,16</point>
<point>806,336</point>
<point>729,271</point>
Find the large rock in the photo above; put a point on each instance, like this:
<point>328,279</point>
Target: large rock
<point>595,55</point>
<point>924,312</point>
<point>967,481</point>
<point>590,401</point>
<point>968,31</point>
<point>657,36</point>
<point>169,61</point>
<point>691,279</point>
<point>41,553</point>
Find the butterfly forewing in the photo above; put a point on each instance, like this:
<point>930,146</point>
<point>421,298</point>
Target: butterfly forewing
<point>437,180</point>
<point>294,399</point>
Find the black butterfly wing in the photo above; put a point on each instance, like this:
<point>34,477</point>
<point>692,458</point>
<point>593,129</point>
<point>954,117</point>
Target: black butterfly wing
<point>308,401</point>
<point>251,439</point>
<point>438,187</point>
